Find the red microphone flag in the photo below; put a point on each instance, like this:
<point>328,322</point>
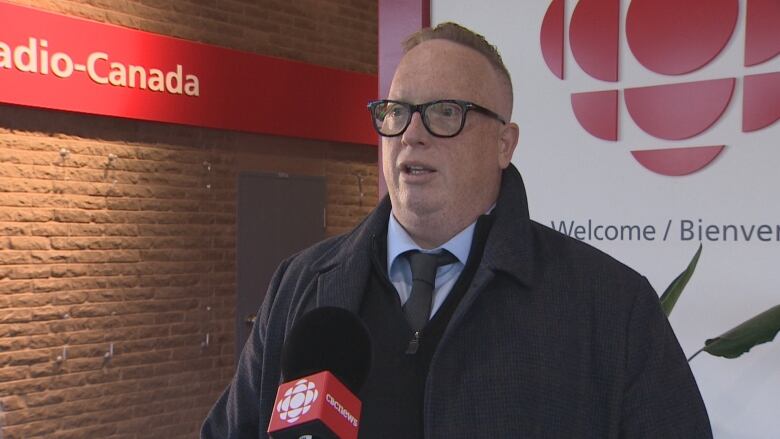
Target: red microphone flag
<point>308,404</point>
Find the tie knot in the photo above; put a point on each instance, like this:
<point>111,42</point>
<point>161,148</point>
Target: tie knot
<point>424,265</point>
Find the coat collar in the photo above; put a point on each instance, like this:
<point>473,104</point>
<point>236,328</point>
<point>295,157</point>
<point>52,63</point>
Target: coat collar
<point>510,245</point>
<point>343,271</point>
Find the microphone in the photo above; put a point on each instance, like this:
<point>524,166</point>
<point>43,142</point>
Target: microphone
<point>325,362</point>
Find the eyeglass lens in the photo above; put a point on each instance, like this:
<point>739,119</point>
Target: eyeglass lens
<point>440,118</point>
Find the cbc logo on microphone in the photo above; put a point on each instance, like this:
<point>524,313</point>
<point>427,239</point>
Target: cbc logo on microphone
<point>297,400</point>
<point>672,38</point>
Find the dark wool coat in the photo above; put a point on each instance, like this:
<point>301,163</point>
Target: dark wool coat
<point>553,339</point>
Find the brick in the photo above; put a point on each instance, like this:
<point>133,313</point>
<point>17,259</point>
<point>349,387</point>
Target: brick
<point>45,341</point>
<point>13,344</point>
<point>16,315</point>
<point>71,216</point>
<point>28,357</point>
<point>120,230</point>
<point>24,185</point>
<point>69,298</point>
<point>47,229</point>
<point>47,257</point>
<point>45,398</point>
<point>96,431</point>
<point>45,370</point>
<point>22,387</point>
<point>104,296</point>
<point>32,200</point>
<point>10,258</point>
<point>25,300</point>
<point>79,422</point>
<point>25,214</point>
<point>81,311</point>
<point>98,363</point>
<point>12,374</point>
<point>22,329</point>
<point>186,353</point>
<point>15,286</point>
<point>140,294</point>
<point>69,243</point>
<point>68,270</point>
<point>30,430</point>
<point>69,325</point>
<point>84,283</point>
<point>28,272</point>
<point>132,359</point>
<point>132,426</point>
<point>67,381</point>
<point>78,230</point>
<point>11,403</point>
<point>43,314</point>
<point>85,337</point>
<point>69,394</point>
<point>12,229</point>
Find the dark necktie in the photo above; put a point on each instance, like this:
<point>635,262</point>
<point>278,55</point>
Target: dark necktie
<point>424,265</point>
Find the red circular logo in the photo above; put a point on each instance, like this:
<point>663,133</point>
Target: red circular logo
<point>669,37</point>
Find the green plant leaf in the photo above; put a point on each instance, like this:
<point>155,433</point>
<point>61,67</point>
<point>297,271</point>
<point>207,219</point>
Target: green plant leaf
<point>675,289</point>
<point>735,342</point>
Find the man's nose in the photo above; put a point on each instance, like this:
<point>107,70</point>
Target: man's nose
<point>416,133</point>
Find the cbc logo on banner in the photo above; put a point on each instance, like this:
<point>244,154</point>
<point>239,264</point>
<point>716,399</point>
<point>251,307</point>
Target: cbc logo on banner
<point>671,38</point>
<point>297,401</point>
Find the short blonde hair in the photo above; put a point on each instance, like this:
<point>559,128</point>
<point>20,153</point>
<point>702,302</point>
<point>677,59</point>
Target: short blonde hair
<point>463,36</point>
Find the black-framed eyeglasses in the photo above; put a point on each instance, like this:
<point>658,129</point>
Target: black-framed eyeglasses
<point>442,118</point>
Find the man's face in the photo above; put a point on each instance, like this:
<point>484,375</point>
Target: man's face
<point>446,181</point>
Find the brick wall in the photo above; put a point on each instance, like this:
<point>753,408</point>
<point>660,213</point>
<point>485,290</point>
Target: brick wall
<point>123,232</point>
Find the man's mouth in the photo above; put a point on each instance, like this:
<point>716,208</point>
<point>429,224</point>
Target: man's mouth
<point>417,169</point>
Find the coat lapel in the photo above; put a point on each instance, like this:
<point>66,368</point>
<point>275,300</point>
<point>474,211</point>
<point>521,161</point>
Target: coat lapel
<point>342,286</point>
<point>343,276</point>
<point>508,249</point>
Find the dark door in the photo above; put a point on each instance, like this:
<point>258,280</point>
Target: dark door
<point>278,215</point>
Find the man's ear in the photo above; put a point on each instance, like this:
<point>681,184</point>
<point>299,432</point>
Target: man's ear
<point>507,141</point>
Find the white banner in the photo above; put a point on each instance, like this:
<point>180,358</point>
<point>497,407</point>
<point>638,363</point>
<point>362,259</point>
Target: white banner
<point>620,199</point>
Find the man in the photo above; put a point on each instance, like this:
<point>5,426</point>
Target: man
<point>531,333</point>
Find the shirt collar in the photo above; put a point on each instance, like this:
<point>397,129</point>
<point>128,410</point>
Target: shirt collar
<point>399,242</point>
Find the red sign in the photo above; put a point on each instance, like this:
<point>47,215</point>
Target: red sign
<point>317,403</point>
<point>62,63</point>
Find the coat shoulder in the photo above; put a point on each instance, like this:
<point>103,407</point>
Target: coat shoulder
<point>578,252</point>
<point>587,268</point>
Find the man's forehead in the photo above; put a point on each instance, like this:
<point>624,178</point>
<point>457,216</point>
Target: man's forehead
<point>441,66</point>
<point>441,51</point>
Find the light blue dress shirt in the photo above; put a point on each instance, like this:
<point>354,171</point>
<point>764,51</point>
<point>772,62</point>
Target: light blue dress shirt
<point>400,273</point>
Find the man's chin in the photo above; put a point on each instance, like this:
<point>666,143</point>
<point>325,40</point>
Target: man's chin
<point>418,207</point>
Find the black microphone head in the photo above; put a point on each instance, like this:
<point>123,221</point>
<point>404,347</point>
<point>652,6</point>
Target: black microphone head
<point>331,339</point>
